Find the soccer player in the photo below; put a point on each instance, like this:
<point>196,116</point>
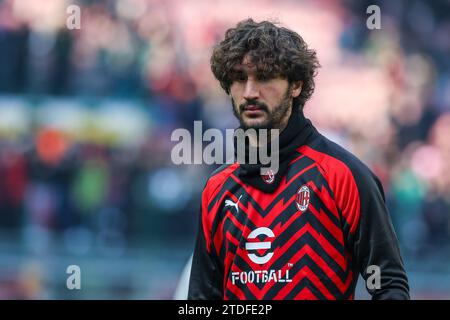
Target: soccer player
<point>308,230</point>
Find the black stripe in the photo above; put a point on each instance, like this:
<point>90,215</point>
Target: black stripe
<point>306,260</point>
<point>321,229</point>
<point>307,238</point>
<point>228,185</point>
<point>305,282</point>
<point>289,254</point>
<point>319,180</point>
<point>230,295</point>
<point>298,166</point>
<point>287,193</point>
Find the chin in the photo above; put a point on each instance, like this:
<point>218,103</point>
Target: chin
<point>254,125</point>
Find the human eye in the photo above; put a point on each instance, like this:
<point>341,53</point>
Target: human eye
<point>264,77</point>
<point>240,76</point>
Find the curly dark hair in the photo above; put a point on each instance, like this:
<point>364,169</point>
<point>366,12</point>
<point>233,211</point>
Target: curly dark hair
<point>276,52</point>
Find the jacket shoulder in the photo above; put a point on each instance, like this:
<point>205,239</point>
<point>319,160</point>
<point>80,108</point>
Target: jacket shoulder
<point>333,157</point>
<point>353,184</point>
<point>218,177</point>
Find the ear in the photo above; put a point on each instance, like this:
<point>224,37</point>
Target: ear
<point>296,88</point>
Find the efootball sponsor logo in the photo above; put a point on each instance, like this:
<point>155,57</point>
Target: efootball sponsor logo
<point>260,276</point>
<point>261,245</point>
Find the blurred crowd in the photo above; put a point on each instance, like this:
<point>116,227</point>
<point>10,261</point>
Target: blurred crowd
<point>70,175</point>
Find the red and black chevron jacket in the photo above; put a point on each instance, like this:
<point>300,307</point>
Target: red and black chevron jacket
<point>326,223</point>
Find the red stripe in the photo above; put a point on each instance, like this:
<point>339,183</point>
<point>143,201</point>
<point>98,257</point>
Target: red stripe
<point>342,286</point>
<point>305,294</point>
<point>342,182</point>
<point>325,244</point>
<point>327,224</point>
<point>235,289</point>
<point>210,191</point>
<point>277,209</point>
<point>306,249</point>
<point>326,198</point>
<point>218,236</point>
<point>305,272</point>
<point>260,197</point>
<point>283,185</point>
<point>296,159</point>
<point>297,237</point>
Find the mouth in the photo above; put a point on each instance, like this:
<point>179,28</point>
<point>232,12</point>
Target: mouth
<point>253,110</point>
<point>252,107</point>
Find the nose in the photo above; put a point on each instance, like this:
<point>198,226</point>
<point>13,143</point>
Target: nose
<point>251,90</point>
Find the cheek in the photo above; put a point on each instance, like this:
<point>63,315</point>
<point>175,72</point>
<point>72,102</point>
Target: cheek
<point>273,95</point>
<point>236,90</point>
<point>236,93</point>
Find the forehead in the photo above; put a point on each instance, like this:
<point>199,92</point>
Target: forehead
<point>245,65</point>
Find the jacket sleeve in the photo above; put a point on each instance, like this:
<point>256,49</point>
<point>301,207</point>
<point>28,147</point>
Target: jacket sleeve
<point>374,243</point>
<point>206,276</point>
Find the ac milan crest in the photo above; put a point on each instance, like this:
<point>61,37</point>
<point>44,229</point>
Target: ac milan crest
<point>269,177</point>
<point>302,199</point>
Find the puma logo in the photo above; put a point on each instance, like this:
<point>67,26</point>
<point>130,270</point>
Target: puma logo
<point>229,203</point>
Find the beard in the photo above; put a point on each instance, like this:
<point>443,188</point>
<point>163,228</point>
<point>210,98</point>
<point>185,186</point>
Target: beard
<point>274,118</point>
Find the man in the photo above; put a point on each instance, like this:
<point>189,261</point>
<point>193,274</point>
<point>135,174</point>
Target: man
<point>308,230</point>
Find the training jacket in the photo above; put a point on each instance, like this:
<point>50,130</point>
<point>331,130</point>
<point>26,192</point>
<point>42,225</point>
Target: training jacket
<point>325,224</point>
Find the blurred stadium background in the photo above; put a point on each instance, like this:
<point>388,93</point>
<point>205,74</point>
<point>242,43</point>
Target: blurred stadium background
<point>86,117</point>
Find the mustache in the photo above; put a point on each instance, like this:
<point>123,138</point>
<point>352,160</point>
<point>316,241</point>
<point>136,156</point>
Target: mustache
<point>262,106</point>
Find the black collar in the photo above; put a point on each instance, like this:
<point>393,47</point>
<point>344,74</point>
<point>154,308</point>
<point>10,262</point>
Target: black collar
<point>298,132</point>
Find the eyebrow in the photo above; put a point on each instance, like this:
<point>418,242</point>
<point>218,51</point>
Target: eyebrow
<point>237,72</point>
<point>247,65</point>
